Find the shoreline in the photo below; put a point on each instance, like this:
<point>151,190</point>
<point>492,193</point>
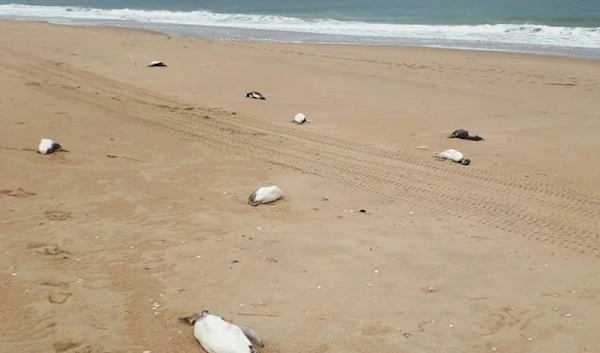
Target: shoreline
<point>222,33</point>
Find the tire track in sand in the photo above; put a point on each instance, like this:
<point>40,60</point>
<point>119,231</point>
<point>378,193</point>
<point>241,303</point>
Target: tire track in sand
<point>542,211</point>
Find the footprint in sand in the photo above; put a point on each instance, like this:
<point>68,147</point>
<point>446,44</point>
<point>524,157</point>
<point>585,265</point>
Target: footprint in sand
<point>59,292</point>
<point>55,215</point>
<point>35,244</point>
<point>48,249</point>
<point>70,346</point>
<point>509,318</point>
<point>19,192</point>
<point>375,329</point>
<point>322,348</point>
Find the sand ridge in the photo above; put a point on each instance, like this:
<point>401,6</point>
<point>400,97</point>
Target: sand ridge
<point>163,228</point>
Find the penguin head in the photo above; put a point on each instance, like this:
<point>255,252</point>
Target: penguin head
<point>194,317</point>
<point>55,147</point>
<point>249,94</point>
<point>465,161</point>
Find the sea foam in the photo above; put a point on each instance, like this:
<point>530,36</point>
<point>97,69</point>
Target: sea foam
<point>524,34</point>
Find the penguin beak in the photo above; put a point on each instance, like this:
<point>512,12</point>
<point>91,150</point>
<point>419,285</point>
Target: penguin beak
<point>188,319</point>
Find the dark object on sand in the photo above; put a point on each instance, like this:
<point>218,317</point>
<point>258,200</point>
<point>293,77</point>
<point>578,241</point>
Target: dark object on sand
<point>464,135</point>
<point>157,64</point>
<point>255,95</point>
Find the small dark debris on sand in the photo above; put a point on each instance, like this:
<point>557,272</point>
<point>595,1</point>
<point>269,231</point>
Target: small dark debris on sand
<point>18,149</point>
<point>131,159</point>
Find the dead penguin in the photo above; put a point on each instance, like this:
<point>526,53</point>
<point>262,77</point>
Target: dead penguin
<point>255,95</point>
<point>265,194</point>
<point>464,135</point>
<point>301,119</point>
<point>217,335</point>
<point>453,155</point>
<point>48,146</point>
<point>157,63</point>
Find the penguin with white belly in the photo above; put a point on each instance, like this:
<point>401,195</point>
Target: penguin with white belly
<point>217,335</point>
<point>48,146</point>
<point>255,95</point>
<point>454,156</point>
<point>301,119</point>
<point>265,194</point>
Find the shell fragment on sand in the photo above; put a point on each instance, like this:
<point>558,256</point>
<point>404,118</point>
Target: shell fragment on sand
<point>265,194</point>
<point>217,335</point>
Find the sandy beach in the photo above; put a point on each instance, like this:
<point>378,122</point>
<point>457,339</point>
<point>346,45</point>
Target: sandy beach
<point>145,219</point>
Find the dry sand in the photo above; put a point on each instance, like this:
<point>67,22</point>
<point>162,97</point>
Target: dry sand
<point>102,254</point>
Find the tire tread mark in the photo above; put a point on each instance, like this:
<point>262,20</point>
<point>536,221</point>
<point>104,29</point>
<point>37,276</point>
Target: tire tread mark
<point>423,183</point>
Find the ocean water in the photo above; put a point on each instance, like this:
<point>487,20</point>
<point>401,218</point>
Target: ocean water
<point>558,27</point>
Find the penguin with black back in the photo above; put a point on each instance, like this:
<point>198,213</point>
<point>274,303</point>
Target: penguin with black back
<point>464,135</point>
<point>255,95</point>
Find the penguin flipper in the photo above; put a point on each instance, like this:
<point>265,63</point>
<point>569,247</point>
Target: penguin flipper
<point>252,335</point>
